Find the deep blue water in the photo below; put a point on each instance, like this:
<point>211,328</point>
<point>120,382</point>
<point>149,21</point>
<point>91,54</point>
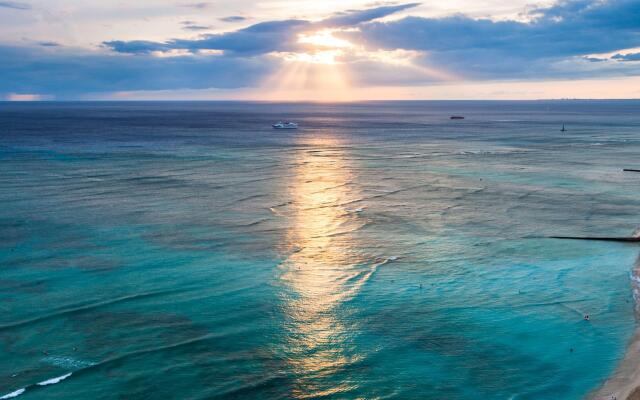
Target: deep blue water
<point>189,251</point>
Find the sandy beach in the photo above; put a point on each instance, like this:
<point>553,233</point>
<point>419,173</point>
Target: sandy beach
<point>625,382</point>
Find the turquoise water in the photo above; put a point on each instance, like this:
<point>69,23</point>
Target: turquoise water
<point>188,251</point>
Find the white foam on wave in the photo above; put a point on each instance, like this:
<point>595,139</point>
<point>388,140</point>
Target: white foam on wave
<point>13,394</point>
<point>67,362</point>
<point>634,277</point>
<point>383,261</point>
<point>53,381</point>
<point>635,290</point>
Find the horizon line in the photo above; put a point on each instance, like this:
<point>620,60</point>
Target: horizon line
<point>303,101</point>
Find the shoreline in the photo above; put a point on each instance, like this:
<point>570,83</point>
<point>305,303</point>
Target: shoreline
<point>624,383</point>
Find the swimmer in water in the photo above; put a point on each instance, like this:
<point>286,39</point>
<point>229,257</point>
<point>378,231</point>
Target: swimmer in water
<point>586,317</point>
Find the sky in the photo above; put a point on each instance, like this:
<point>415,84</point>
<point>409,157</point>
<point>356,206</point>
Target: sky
<point>330,50</point>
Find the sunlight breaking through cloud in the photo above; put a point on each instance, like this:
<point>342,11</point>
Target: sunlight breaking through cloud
<point>351,47</point>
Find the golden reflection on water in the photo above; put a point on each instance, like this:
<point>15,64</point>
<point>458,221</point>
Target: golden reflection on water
<point>325,268</point>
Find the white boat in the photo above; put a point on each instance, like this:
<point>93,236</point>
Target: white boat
<point>285,125</point>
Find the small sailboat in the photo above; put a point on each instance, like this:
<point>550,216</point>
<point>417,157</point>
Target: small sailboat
<point>563,129</point>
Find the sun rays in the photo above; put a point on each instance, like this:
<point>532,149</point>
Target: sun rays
<point>316,74</point>
<point>328,68</point>
<point>301,79</point>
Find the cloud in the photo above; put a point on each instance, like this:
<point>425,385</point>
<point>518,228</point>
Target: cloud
<point>136,46</point>
<point>569,40</point>
<point>261,38</point>
<point>200,6</point>
<point>487,49</point>
<point>555,32</point>
<point>257,39</point>
<point>197,27</point>
<point>233,18</point>
<point>26,97</point>
<point>355,17</point>
<point>15,5</point>
<point>627,57</point>
<point>594,59</point>
<point>69,72</point>
<point>48,44</point>
<point>558,41</point>
<point>193,26</point>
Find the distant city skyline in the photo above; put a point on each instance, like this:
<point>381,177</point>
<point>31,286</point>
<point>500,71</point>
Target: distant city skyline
<point>322,51</point>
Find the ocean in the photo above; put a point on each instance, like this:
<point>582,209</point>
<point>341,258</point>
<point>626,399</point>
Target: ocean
<point>187,250</point>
